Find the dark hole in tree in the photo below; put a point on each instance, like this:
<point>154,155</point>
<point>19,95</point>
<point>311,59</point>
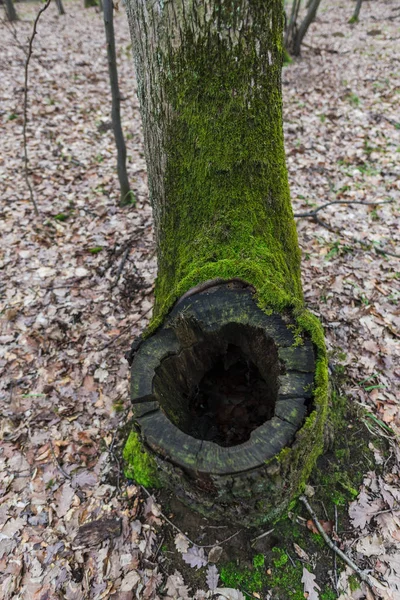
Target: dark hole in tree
<point>222,385</point>
<point>231,400</point>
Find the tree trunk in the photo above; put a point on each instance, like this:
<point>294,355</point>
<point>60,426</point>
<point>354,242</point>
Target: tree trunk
<point>209,84</point>
<point>126,194</point>
<point>356,14</point>
<point>291,27</point>
<point>10,11</point>
<point>60,7</point>
<point>305,24</point>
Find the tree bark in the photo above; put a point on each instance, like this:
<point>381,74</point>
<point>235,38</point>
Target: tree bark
<point>356,14</point>
<point>305,24</point>
<point>291,28</point>
<point>10,10</point>
<point>126,194</point>
<point>209,85</point>
<point>60,7</point>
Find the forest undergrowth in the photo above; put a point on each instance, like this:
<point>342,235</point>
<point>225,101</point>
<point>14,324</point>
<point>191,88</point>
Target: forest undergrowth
<point>77,288</point>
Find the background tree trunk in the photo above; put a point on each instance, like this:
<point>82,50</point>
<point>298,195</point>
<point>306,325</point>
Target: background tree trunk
<point>356,14</point>
<point>60,7</point>
<point>291,26</point>
<point>300,33</point>
<point>126,194</point>
<point>10,11</point>
<point>209,85</point>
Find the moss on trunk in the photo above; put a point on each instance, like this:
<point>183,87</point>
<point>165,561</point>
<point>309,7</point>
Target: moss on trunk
<point>209,84</point>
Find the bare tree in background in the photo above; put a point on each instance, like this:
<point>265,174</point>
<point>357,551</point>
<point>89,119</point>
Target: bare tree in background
<point>60,7</point>
<point>295,33</point>
<point>356,14</point>
<point>127,196</point>
<point>10,10</point>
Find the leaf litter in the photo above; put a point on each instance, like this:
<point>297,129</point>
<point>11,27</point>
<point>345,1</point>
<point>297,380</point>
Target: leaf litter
<point>68,525</point>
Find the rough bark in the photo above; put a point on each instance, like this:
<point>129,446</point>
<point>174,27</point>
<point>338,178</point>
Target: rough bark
<point>10,11</point>
<point>60,7</point>
<point>209,85</point>
<point>126,194</point>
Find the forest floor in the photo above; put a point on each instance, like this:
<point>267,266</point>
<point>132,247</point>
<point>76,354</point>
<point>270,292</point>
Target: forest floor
<point>70,525</point>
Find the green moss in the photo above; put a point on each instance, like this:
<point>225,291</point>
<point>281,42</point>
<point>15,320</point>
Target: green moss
<point>328,594</point>
<point>139,465</point>
<point>227,211</point>
<point>95,249</point>
<point>354,583</point>
<point>281,558</point>
<point>282,579</point>
<point>258,560</point>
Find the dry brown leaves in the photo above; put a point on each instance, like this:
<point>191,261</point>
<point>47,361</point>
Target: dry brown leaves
<point>68,526</point>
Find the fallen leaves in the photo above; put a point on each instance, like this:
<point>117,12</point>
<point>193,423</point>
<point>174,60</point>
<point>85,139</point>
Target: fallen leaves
<point>66,324</point>
<point>311,588</point>
<point>195,557</point>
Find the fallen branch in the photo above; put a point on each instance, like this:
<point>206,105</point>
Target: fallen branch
<point>313,213</point>
<point>363,575</point>
<point>28,58</point>
<point>385,252</point>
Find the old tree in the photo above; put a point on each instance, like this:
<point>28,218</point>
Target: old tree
<point>229,386</point>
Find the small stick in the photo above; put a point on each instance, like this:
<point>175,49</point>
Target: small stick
<point>312,213</point>
<point>386,252</point>
<point>122,264</point>
<point>28,58</point>
<point>368,579</point>
<point>259,537</point>
<point>335,577</point>
<point>57,463</point>
<point>184,534</point>
<point>291,559</point>
<point>146,312</point>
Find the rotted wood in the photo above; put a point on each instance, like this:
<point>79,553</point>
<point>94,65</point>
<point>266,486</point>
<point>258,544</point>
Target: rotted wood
<point>168,367</point>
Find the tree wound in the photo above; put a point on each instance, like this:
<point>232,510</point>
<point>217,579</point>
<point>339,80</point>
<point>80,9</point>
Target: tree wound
<point>219,390</point>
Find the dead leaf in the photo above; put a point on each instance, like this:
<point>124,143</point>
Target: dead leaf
<point>311,588</point>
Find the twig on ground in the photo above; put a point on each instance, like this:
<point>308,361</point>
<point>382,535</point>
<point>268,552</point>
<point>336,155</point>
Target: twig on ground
<point>146,312</point>
<point>335,577</point>
<point>122,264</point>
<point>291,559</point>
<point>28,58</point>
<point>259,537</point>
<point>386,252</point>
<point>184,534</point>
<point>59,467</point>
<point>311,214</point>
<point>368,579</point>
